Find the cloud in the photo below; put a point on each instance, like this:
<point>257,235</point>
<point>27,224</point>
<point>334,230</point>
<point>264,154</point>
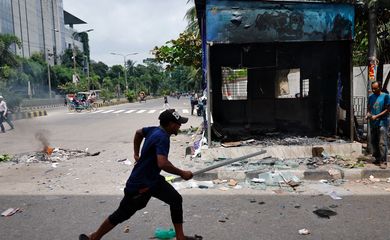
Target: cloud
<point>127,26</point>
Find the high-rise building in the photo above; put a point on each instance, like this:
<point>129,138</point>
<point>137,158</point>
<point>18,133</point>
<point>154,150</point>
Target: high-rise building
<point>40,26</point>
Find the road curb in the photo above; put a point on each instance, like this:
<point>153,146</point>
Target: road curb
<point>309,174</point>
<point>28,114</point>
<point>33,108</point>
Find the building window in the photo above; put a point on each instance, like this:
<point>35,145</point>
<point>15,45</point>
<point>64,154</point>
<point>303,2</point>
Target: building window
<point>288,84</point>
<point>234,83</point>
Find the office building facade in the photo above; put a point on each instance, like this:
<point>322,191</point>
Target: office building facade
<point>40,26</point>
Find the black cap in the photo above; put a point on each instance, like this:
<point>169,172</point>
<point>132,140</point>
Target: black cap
<point>170,115</point>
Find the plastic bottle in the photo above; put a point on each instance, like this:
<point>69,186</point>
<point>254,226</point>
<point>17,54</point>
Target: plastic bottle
<point>161,233</point>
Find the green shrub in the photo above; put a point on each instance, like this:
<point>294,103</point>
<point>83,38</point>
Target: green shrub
<point>106,95</point>
<point>130,95</point>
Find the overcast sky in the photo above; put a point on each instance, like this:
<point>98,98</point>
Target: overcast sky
<point>128,26</point>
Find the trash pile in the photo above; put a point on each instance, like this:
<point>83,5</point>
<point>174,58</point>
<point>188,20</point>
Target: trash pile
<point>55,155</point>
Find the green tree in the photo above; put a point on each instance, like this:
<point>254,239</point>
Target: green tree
<point>186,50</point>
<point>7,57</point>
<point>67,58</point>
<point>99,68</point>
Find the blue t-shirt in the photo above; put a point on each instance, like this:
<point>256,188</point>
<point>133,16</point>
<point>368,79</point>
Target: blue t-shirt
<point>146,172</point>
<point>377,104</point>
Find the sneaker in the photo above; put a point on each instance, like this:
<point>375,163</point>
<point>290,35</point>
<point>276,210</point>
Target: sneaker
<point>196,237</point>
<point>83,237</point>
<point>383,165</point>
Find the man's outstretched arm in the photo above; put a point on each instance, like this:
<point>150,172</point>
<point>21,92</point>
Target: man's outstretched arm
<point>164,164</point>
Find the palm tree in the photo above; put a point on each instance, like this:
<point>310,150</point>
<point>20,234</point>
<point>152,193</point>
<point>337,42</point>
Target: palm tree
<point>192,21</point>
<point>7,57</point>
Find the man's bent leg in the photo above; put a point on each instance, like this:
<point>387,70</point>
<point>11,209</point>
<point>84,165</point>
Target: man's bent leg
<point>130,204</point>
<point>102,230</point>
<point>166,193</point>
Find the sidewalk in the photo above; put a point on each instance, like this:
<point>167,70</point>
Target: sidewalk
<point>341,161</point>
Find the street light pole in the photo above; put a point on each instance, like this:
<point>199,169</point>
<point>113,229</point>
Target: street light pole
<point>125,64</point>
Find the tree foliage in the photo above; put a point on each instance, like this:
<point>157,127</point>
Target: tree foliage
<point>185,50</point>
<point>7,57</point>
<point>360,47</point>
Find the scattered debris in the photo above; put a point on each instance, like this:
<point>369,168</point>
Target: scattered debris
<point>373,179</point>
<point>258,180</point>
<point>324,213</point>
<point>54,155</point>
<point>4,157</point>
<point>161,233</point>
<point>232,182</point>
<point>304,231</point>
<point>219,181</point>
<point>127,162</point>
<point>193,184</point>
<point>10,212</point>
<point>335,173</point>
<point>277,178</point>
<point>317,151</point>
<point>223,188</point>
<point>127,229</point>
<point>334,196</point>
<point>231,144</point>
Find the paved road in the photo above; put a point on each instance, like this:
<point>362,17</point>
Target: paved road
<point>214,216</point>
<point>108,129</point>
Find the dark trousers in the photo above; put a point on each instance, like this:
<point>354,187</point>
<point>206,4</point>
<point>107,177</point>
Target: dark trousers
<point>192,108</point>
<point>379,143</point>
<point>8,119</point>
<point>1,121</point>
<point>132,202</point>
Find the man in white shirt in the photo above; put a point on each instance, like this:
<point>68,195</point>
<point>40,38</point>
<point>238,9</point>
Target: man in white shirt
<point>3,115</point>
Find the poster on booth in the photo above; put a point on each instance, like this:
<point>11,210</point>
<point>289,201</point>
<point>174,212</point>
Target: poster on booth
<point>372,72</point>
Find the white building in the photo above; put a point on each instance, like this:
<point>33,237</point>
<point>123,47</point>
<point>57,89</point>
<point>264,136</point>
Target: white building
<point>41,25</point>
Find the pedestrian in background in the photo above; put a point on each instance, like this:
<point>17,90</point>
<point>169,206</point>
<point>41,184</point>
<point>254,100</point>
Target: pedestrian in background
<point>377,114</point>
<point>145,180</point>
<point>4,115</point>
<point>166,104</point>
<point>194,102</point>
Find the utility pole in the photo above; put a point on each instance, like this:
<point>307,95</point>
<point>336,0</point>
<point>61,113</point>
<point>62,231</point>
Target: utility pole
<point>48,70</point>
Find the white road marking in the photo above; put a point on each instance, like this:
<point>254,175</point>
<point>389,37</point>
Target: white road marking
<point>98,111</point>
<point>119,111</point>
<point>108,111</point>
<point>141,111</point>
<point>152,111</point>
<point>130,111</point>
